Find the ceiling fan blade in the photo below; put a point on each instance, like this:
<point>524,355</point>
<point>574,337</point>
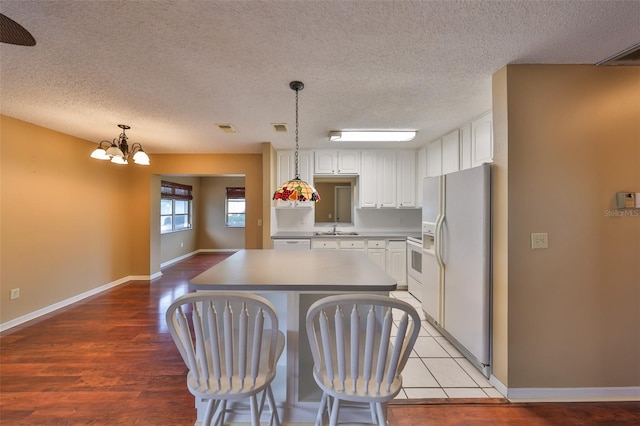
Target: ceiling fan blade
<point>13,33</point>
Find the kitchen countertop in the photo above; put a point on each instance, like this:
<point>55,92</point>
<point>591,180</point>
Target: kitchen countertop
<point>320,270</point>
<point>361,234</point>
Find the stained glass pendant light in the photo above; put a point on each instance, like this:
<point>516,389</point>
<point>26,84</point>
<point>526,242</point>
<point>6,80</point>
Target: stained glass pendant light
<point>296,189</point>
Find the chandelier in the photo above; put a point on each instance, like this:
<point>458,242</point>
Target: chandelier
<point>118,150</point>
<point>296,189</point>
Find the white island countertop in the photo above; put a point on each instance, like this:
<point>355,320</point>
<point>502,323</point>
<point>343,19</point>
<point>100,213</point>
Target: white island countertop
<point>308,270</point>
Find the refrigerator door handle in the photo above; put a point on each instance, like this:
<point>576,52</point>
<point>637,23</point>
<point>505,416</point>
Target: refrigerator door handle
<point>438,241</point>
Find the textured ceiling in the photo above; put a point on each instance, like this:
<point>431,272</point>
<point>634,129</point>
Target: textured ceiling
<point>173,69</point>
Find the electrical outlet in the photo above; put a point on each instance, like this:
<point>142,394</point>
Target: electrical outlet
<point>181,244</point>
<point>539,240</point>
<point>15,293</point>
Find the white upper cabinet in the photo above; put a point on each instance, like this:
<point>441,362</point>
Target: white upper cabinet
<point>368,182</point>
<point>465,147</point>
<point>287,165</point>
<point>451,152</point>
<point>337,162</point>
<point>387,176</point>
<point>406,178</point>
<point>434,158</point>
<point>482,140</point>
<point>378,177</point>
<point>468,146</point>
<point>421,173</point>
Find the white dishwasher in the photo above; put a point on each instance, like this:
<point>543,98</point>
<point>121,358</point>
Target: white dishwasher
<point>292,244</point>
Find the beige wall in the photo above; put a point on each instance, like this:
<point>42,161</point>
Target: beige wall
<point>573,138</point>
<point>324,210</point>
<point>70,224</point>
<point>65,218</point>
<point>213,233</point>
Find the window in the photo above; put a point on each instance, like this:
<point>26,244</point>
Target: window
<point>175,207</point>
<point>235,207</point>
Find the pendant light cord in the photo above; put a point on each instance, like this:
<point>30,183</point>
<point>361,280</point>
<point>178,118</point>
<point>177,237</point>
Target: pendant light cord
<point>296,154</point>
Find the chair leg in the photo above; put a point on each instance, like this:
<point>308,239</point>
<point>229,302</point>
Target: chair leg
<point>255,416</point>
<point>321,409</point>
<point>221,409</point>
<point>372,411</point>
<point>381,410</point>
<point>274,420</point>
<point>208,413</point>
<point>333,421</point>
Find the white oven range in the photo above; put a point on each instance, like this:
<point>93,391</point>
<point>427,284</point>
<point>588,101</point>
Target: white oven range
<point>414,266</point>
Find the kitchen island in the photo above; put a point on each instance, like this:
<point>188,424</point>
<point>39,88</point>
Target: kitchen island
<point>293,281</point>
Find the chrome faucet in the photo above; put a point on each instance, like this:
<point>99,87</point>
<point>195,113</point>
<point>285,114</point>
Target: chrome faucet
<point>334,228</point>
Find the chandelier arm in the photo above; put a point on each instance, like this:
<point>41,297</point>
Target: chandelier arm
<point>135,147</point>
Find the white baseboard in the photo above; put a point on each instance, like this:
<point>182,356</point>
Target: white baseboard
<point>177,259</point>
<point>51,308</point>
<point>628,393</point>
<point>193,253</point>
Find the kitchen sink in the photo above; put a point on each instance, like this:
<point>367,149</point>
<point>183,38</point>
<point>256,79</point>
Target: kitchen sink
<point>337,233</point>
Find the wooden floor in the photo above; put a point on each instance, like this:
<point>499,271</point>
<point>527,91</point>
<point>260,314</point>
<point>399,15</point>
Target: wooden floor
<point>109,360</point>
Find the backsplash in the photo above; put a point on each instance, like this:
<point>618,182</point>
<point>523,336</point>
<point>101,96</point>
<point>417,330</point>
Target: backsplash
<point>302,219</point>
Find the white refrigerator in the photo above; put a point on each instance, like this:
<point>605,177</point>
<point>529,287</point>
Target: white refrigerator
<point>456,260</point>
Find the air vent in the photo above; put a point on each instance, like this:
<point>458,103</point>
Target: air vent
<point>280,127</point>
<point>630,56</point>
<point>227,128</point>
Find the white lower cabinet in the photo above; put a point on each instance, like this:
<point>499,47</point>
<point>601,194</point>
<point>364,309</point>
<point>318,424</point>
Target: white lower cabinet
<point>397,261</point>
<point>376,250</point>
<point>350,244</point>
<point>324,244</point>
<point>389,255</point>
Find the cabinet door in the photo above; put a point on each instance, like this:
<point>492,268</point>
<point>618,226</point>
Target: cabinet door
<point>421,173</point>
<point>397,265</point>
<point>465,147</point>
<point>348,162</point>
<point>368,180</point>
<point>482,140</point>
<point>387,178</point>
<point>305,165</point>
<point>434,158</point>
<point>406,179</point>
<point>451,152</point>
<point>287,165</point>
<point>378,256</point>
<point>325,162</point>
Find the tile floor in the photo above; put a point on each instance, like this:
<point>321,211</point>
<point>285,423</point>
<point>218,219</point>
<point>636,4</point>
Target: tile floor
<point>436,369</point>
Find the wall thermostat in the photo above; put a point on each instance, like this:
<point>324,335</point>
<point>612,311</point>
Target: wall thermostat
<point>626,200</point>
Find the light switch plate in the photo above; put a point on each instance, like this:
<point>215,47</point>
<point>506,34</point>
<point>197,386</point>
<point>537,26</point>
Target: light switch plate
<point>539,240</point>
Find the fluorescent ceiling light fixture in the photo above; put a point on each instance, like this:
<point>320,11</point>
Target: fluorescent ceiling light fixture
<point>372,136</point>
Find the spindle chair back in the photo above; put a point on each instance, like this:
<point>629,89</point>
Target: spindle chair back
<point>231,344</point>
<point>360,345</point>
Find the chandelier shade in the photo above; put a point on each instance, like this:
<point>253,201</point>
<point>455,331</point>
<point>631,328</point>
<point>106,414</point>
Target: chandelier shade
<point>296,189</point>
<point>118,152</point>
